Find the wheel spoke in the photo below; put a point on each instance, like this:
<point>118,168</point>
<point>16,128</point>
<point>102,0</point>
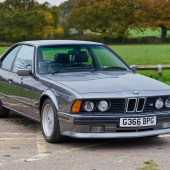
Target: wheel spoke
<point>48,120</point>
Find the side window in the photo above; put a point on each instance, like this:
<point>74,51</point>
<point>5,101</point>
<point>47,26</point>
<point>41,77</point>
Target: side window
<point>8,60</point>
<point>24,58</point>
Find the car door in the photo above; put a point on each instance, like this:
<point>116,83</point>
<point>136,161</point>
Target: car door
<point>5,68</point>
<point>22,87</point>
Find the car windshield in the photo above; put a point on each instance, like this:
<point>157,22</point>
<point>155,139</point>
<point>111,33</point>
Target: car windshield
<point>72,58</point>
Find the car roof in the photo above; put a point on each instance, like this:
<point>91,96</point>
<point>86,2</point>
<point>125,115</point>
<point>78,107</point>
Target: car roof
<point>58,42</point>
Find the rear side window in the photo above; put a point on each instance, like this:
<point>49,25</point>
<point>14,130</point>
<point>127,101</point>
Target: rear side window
<point>24,58</point>
<point>8,60</point>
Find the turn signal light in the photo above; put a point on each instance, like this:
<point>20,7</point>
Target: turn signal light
<point>76,106</point>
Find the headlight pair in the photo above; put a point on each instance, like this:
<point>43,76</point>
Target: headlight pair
<point>90,106</point>
<point>160,103</point>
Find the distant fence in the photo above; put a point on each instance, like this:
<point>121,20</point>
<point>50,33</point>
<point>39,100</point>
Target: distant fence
<point>158,68</point>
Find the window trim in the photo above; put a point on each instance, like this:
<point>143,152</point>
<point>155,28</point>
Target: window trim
<point>81,44</point>
<point>33,69</point>
<point>6,54</point>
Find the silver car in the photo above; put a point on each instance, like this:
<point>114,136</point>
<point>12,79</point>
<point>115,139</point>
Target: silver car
<point>81,89</point>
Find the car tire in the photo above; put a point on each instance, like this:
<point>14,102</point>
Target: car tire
<point>4,112</point>
<point>50,123</point>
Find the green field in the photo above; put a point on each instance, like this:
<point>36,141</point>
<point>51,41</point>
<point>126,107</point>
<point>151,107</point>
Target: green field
<point>142,55</point>
<point>146,33</point>
<point>3,49</point>
<point>146,55</point>
<point>153,74</point>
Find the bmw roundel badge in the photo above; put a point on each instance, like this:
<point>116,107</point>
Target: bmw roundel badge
<point>135,92</point>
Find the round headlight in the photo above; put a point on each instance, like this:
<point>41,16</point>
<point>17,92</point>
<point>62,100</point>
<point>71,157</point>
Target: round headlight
<point>167,103</point>
<point>103,106</point>
<point>89,106</point>
<point>159,103</point>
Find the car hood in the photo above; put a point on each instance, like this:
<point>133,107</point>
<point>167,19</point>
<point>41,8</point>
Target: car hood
<point>107,82</point>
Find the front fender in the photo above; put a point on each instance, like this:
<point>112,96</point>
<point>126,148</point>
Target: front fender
<point>48,94</point>
<point>61,101</point>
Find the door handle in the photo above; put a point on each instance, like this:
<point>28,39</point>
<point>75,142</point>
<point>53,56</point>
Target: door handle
<point>10,80</point>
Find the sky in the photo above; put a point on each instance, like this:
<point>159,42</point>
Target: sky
<point>52,2</point>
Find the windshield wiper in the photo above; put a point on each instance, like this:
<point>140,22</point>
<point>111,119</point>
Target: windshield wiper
<point>71,69</point>
<point>113,68</point>
<point>76,68</point>
<point>95,69</point>
<point>57,72</point>
<point>87,69</point>
<point>108,68</point>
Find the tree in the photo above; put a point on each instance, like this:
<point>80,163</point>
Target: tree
<point>154,14</point>
<point>65,10</point>
<point>109,17</point>
<point>26,20</point>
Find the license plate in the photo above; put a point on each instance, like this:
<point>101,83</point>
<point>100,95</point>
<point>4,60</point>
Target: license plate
<point>137,122</point>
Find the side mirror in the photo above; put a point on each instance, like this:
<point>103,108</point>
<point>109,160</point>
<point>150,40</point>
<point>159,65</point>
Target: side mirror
<point>134,68</point>
<point>24,72</point>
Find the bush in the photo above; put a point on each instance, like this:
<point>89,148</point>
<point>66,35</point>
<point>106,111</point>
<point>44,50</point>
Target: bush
<point>5,44</point>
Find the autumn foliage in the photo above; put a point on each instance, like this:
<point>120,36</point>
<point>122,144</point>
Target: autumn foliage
<point>27,20</point>
<point>112,19</point>
<point>116,17</point>
<point>154,14</point>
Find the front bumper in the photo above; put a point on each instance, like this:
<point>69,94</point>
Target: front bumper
<point>117,134</point>
<point>79,126</point>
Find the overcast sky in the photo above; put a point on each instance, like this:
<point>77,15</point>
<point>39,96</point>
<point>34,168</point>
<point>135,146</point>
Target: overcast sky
<point>52,2</point>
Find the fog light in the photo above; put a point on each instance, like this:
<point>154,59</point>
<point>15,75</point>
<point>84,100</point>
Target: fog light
<point>103,106</point>
<point>159,103</point>
<point>97,129</point>
<point>167,103</point>
<point>166,125</point>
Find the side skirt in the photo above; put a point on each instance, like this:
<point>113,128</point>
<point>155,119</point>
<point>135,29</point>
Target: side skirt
<point>24,115</point>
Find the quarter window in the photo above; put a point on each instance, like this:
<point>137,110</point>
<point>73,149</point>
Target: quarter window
<point>24,58</point>
<point>8,60</point>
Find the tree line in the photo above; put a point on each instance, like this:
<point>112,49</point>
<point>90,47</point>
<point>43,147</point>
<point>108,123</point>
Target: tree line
<point>27,19</point>
<point>116,17</point>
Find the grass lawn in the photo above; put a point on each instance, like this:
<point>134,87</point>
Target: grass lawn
<point>147,33</point>
<point>153,74</point>
<point>146,55</point>
<point>142,55</point>
<point>3,49</point>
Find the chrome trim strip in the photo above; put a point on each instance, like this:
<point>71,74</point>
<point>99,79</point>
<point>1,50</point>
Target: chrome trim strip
<point>13,98</point>
<point>127,105</point>
<point>143,104</point>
